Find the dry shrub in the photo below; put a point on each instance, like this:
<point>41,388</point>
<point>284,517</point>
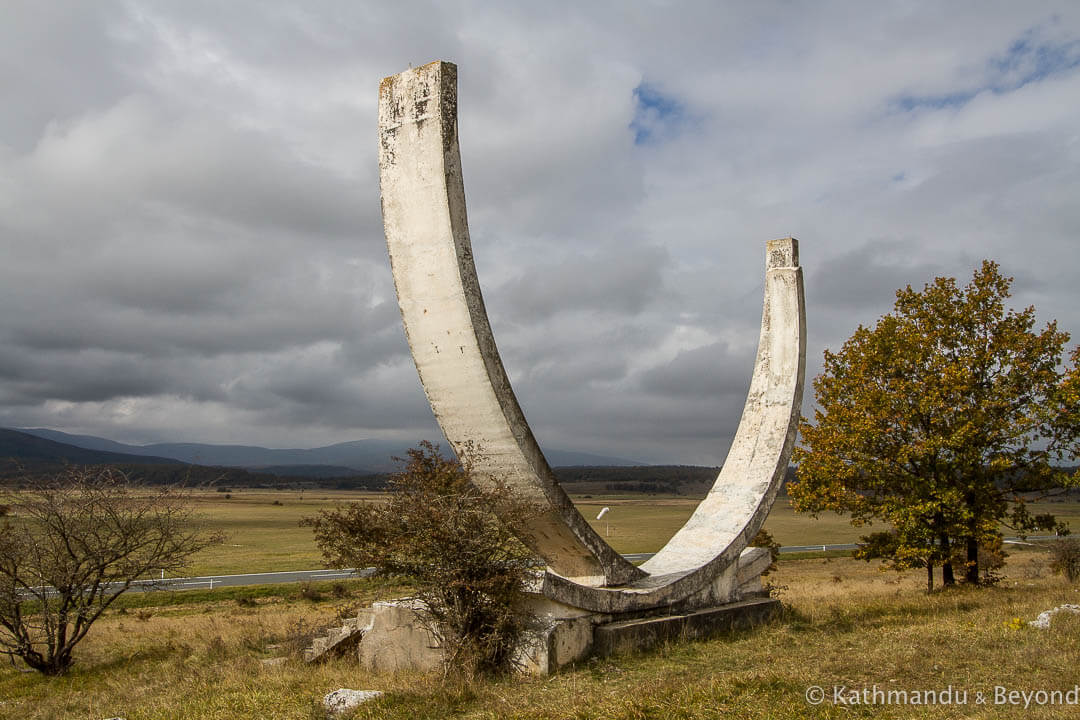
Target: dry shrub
<point>308,591</point>
<point>765,539</point>
<point>992,557</point>
<point>466,565</point>
<point>83,538</point>
<point>1065,558</point>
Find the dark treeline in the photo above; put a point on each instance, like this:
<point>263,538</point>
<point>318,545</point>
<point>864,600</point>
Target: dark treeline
<point>13,474</point>
<point>650,479</point>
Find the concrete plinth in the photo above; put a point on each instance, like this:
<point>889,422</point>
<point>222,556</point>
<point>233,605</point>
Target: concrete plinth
<point>393,636</point>
<point>643,633</point>
<point>396,639</point>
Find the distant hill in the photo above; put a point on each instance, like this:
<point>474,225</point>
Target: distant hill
<point>32,451</point>
<point>209,465</point>
<point>24,454</point>
<point>358,456</point>
<point>689,480</point>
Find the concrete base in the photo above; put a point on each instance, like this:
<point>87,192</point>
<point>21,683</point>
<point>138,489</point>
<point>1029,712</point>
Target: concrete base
<point>395,639</point>
<point>643,633</point>
<point>566,640</point>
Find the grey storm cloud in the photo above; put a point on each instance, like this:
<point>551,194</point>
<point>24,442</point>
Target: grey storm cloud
<point>710,371</point>
<point>622,282</point>
<point>192,248</point>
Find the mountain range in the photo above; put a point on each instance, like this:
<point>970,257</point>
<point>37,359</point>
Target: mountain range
<point>354,457</point>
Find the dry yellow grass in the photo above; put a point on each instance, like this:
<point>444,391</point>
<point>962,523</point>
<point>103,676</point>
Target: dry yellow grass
<point>845,624</point>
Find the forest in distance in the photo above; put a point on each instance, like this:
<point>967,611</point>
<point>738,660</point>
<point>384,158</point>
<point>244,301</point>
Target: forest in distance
<point>23,457</point>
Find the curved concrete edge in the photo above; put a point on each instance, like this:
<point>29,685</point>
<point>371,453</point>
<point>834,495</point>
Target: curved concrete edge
<point>693,564</point>
<point>744,491</point>
<point>442,308</point>
<point>715,584</point>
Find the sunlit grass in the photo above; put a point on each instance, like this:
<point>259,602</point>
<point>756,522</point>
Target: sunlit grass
<point>844,623</point>
<point>263,532</point>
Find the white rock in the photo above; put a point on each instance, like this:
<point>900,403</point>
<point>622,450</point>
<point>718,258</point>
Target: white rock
<point>1043,621</point>
<point>344,699</point>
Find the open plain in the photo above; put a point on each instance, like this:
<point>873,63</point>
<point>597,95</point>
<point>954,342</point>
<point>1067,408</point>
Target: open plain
<point>846,624</point>
<point>263,529</point>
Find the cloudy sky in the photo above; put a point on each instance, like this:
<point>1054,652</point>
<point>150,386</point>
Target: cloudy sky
<point>191,247</point>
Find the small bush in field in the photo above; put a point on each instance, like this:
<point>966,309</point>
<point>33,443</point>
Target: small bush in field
<point>1065,558</point>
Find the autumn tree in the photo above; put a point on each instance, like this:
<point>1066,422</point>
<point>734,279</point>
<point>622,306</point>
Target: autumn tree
<point>73,543</point>
<point>936,421</point>
<point>1065,414</point>
<point>466,565</point>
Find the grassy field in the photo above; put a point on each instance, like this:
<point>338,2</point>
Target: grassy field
<point>636,525</point>
<point>844,624</point>
<point>264,533</point>
<point>262,529</point>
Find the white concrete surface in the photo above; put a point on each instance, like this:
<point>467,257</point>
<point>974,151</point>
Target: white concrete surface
<point>423,200</point>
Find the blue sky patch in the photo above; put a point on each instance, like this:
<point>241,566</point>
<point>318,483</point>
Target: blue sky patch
<point>1030,58</point>
<point>656,116</point>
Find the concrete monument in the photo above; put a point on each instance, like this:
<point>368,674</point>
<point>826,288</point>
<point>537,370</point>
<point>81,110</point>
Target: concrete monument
<point>595,600</point>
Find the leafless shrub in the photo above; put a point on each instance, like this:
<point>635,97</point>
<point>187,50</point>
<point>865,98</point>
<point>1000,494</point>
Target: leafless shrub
<point>297,638</point>
<point>80,539</point>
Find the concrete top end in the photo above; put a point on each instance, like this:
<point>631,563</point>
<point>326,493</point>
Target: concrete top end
<point>419,94</point>
<point>432,68</point>
<point>782,253</point>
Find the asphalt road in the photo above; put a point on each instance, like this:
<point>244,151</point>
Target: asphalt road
<point>268,578</point>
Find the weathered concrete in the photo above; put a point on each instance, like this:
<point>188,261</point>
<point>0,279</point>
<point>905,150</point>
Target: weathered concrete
<point>642,633</point>
<point>391,635</point>
<point>396,639</point>
<point>423,203</point>
<point>339,640</point>
<point>443,312</point>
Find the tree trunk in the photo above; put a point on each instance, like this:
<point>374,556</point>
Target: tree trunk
<point>929,577</point>
<point>972,573</point>
<point>948,579</point>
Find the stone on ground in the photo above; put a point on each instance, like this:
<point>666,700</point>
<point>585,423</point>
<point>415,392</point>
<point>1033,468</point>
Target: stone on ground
<point>344,699</point>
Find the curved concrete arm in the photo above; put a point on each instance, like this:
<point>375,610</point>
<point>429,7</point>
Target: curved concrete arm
<point>427,235</point>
